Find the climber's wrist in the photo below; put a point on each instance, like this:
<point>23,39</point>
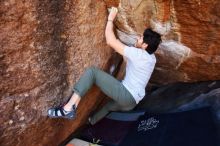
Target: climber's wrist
<point>110,20</point>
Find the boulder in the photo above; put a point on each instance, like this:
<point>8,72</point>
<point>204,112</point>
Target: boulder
<point>190,33</point>
<point>46,46</point>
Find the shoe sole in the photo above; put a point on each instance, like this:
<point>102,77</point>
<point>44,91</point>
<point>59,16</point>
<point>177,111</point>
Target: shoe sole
<point>56,117</point>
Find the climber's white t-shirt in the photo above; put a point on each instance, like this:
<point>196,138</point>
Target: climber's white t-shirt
<point>139,67</point>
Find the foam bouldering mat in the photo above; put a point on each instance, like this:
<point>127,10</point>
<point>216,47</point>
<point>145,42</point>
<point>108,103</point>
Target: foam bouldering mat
<point>189,128</point>
<point>112,129</point>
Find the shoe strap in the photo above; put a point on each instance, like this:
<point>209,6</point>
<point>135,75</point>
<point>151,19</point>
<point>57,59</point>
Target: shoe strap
<point>61,111</point>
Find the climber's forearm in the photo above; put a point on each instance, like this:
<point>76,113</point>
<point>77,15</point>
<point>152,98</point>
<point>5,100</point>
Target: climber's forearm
<point>109,33</point>
<point>111,40</point>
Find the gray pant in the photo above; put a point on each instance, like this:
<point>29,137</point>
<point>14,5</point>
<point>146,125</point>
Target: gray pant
<point>122,100</point>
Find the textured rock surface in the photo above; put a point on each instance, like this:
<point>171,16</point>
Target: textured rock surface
<point>46,45</point>
<point>191,30</point>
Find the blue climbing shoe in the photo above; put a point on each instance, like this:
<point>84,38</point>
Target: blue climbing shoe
<point>59,112</point>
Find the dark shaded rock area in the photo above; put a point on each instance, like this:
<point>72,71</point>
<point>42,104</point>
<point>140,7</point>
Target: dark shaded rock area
<point>179,97</point>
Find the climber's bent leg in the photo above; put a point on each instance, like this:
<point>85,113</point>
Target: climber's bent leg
<point>108,84</point>
<point>110,106</point>
<point>121,97</point>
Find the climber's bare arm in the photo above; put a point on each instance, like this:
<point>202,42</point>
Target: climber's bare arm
<point>111,40</point>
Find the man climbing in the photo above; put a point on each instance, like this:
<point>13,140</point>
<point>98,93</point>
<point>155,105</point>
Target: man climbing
<point>125,95</point>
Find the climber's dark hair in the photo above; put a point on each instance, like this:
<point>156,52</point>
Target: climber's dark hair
<point>153,40</point>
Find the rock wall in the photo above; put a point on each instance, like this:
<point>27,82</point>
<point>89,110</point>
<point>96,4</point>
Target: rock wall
<point>46,46</point>
<point>190,30</point>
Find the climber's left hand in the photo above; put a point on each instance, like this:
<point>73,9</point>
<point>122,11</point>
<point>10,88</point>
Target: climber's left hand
<point>112,14</point>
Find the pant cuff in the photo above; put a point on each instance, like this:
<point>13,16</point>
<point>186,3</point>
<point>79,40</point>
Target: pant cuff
<point>77,92</point>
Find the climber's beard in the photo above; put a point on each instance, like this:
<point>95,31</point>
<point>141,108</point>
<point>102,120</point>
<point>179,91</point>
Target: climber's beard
<point>137,44</point>
<point>139,41</point>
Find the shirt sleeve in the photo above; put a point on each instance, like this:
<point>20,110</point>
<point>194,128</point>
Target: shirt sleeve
<point>132,52</point>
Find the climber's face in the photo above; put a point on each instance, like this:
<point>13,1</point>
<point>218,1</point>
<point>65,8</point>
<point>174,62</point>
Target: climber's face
<point>140,43</point>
